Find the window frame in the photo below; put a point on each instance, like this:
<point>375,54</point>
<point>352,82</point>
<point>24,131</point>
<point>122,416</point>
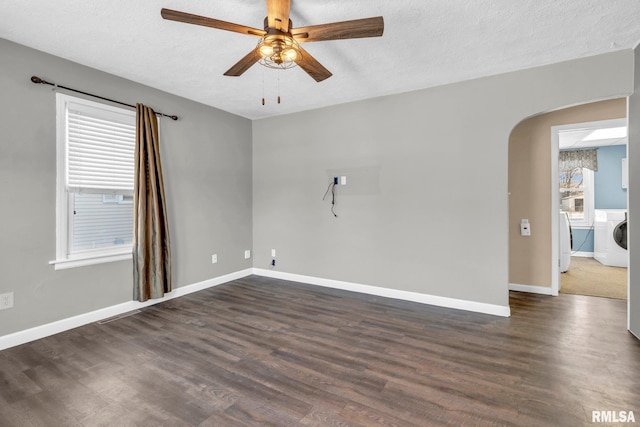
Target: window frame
<point>64,198</point>
<point>588,188</point>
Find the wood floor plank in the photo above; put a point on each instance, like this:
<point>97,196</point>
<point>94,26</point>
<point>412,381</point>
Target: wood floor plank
<point>265,352</point>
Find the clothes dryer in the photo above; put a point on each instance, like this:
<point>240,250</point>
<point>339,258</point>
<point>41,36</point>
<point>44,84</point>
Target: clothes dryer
<point>610,237</point>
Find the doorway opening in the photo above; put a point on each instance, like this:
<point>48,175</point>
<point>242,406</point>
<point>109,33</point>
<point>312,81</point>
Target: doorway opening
<point>589,208</point>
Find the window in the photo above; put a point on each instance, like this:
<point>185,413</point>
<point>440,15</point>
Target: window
<point>576,196</point>
<point>95,171</point>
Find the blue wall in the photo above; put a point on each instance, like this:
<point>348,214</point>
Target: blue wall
<point>608,191</point>
<point>582,239</point>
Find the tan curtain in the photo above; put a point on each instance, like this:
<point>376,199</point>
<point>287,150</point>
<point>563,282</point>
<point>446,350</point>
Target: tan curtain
<point>151,252</point>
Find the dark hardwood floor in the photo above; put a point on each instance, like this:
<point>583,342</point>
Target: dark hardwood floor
<point>266,352</point>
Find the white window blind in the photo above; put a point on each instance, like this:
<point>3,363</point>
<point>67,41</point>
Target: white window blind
<point>96,166</point>
<point>100,151</point>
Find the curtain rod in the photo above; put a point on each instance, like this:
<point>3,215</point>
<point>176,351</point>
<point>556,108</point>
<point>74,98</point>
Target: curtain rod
<point>38,80</point>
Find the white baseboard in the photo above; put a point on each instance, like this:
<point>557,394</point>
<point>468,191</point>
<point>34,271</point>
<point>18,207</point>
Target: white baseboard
<point>62,325</point>
<point>543,290</point>
<point>496,310</point>
<point>583,254</point>
<point>52,328</point>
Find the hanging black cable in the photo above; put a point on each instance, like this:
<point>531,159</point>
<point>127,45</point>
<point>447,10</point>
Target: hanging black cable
<point>333,200</point>
<point>332,187</point>
<point>38,80</point>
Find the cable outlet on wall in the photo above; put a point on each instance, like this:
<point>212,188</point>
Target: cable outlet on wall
<point>247,254</point>
<point>214,258</point>
<point>525,228</point>
<point>6,300</point>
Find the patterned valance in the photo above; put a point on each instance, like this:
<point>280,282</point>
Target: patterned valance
<point>571,159</point>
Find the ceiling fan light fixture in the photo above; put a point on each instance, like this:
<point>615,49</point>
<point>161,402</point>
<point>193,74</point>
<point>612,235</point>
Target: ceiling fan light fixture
<point>278,51</point>
<point>290,53</point>
<point>265,50</point>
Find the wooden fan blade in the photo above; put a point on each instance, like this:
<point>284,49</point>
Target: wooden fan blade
<point>358,28</point>
<point>278,14</point>
<point>315,69</point>
<point>175,15</point>
<point>244,64</point>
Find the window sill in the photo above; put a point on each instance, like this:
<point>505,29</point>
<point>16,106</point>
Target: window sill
<point>63,264</point>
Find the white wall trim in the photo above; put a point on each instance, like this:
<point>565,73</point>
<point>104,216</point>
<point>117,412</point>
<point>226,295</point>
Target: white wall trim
<point>496,310</point>
<point>555,208</point>
<point>555,185</point>
<point>62,325</point>
<point>582,254</point>
<point>542,290</point>
<point>42,331</point>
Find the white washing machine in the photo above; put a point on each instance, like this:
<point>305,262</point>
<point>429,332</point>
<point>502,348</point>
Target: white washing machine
<point>610,237</point>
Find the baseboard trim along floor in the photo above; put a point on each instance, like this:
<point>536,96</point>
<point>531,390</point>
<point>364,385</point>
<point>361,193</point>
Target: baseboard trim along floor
<point>478,307</point>
<point>542,290</point>
<point>56,327</point>
<point>583,254</point>
<point>52,328</point>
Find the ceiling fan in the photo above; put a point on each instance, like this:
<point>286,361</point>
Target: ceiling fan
<point>279,41</point>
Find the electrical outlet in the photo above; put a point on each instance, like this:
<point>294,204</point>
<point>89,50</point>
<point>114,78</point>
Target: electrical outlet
<point>247,254</point>
<point>343,180</point>
<point>273,253</point>
<point>214,258</point>
<point>6,300</point>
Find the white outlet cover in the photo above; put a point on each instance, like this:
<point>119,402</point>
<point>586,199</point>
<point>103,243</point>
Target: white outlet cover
<point>343,180</point>
<point>273,253</point>
<point>6,300</point>
<point>214,258</point>
<point>247,254</point>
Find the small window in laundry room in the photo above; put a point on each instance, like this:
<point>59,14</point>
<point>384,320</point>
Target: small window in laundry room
<point>576,195</point>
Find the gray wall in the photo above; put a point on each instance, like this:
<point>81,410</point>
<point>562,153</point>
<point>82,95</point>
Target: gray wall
<point>425,208</point>
<point>206,157</point>
<point>634,201</point>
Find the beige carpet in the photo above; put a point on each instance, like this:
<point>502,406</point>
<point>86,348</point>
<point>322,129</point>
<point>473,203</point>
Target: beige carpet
<point>586,276</point>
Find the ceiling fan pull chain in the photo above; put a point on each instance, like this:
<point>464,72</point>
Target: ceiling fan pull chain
<point>278,88</point>
<point>262,87</point>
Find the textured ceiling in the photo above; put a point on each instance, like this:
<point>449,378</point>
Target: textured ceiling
<point>426,43</point>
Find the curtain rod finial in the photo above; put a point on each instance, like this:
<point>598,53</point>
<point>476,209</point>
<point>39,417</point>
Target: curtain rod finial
<point>36,79</point>
<point>174,117</point>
